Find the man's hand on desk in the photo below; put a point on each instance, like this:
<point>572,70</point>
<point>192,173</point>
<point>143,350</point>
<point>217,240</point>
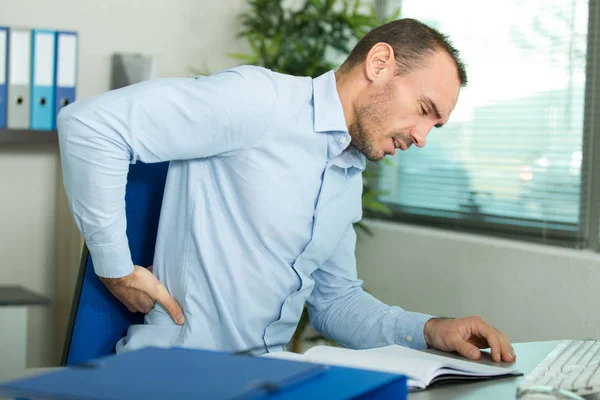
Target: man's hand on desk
<point>467,336</point>
<point>140,290</point>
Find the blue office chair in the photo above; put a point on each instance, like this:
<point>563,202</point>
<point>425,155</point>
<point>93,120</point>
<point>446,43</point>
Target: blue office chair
<point>98,320</point>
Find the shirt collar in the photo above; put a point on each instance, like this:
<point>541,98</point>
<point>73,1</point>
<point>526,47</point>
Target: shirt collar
<point>351,157</point>
<point>328,111</point>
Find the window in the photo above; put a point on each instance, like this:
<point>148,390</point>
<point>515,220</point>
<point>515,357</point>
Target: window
<point>510,159</point>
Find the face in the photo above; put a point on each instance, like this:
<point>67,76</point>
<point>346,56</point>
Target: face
<point>393,112</point>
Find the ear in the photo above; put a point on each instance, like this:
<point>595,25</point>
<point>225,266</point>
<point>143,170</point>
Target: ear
<point>380,62</point>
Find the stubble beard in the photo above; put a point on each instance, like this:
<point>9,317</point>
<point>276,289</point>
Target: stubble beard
<point>370,115</point>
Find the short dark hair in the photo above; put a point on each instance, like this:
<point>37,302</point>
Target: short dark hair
<point>411,40</point>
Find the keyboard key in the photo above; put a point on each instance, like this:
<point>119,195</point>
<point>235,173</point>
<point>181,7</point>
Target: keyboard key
<point>526,383</point>
<point>584,377</point>
<point>573,365</point>
<point>565,356</point>
<point>580,353</point>
<point>585,360</point>
<point>595,359</point>
<point>595,379</point>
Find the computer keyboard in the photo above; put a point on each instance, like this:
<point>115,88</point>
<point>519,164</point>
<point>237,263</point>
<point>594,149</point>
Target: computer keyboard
<point>571,367</point>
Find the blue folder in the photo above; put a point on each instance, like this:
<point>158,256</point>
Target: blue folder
<point>43,62</point>
<point>177,373</point>
<point>65,70</point>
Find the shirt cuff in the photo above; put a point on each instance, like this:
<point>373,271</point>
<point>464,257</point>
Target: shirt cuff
<point>409,329</point>
<point>112,261</point>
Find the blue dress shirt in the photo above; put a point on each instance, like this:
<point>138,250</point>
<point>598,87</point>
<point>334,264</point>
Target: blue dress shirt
<point>258,210</point>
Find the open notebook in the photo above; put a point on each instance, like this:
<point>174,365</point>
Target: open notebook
<point>422,368</point>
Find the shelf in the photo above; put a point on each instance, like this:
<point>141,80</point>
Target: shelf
<point>13,295</point>
<point>26,136</point>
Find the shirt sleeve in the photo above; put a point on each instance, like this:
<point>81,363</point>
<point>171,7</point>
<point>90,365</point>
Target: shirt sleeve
<point>154,121</point>
<point>341,310</point>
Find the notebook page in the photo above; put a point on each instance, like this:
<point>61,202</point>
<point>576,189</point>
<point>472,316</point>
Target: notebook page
<point>286,355</point>
<point>323,357</point>
<point>419,372</point>
<point>470,367</point>
<point>420,367</point>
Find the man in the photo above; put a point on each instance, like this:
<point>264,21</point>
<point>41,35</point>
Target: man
<point>263,188</point>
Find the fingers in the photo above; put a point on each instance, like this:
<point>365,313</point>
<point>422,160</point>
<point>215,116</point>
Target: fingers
<point>499,344</point>
<point>169,303</point>
<point>139,291</point>
<point>513,352</point>
<point>141,302</point>
<point>491,336</point>
<point>467,350</point>
<point>467,336</point>
<point>158,292</point>
<point>506,349</point>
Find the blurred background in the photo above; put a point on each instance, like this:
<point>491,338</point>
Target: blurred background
<point>497,216</point>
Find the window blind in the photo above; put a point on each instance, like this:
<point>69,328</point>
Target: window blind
<point>510,159</point>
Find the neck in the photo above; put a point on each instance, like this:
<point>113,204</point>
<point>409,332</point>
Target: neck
<point>347,90</point>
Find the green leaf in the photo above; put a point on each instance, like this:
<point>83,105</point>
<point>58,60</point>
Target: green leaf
<point>363,228</point>
<point>376,206</point>
<point>316,3</point>
<point>355,8</point>
<point>345,6</point>
<point>250,58</point>
<point>328,5</point>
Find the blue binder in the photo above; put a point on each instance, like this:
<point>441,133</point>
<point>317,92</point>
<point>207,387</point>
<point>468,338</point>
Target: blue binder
<point>3,76</point>
<point>177,373</point>
<point>65,70</point>
<point>43,48</point>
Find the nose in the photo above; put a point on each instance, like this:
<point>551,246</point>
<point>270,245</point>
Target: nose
<point>419,139</point>
<point>419,134</point>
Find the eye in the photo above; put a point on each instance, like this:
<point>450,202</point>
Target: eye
<point>423,110</point>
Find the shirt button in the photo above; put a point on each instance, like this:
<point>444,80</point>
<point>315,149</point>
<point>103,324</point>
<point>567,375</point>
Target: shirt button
<point>289,300</point>
<point>409,338</point>
<point>343,139</point>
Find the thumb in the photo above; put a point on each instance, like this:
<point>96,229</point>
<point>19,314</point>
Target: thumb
<point>467,350</point>
<point>159,293</point>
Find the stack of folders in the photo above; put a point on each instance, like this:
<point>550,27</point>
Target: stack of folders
<point>177,373</point>
<point>38,76</point>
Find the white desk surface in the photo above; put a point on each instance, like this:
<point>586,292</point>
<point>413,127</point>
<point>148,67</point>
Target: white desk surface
<point>528,356</point>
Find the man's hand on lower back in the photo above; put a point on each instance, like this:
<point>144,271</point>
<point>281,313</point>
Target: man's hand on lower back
<point>140,290</point>
<point>466,336</point>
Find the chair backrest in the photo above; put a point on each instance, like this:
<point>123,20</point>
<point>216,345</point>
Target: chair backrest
<point>98,320</point>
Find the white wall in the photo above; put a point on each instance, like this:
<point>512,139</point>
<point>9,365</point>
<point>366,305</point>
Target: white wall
<point>529,291</point>
<point>27,256</point>
<point>183,34</point>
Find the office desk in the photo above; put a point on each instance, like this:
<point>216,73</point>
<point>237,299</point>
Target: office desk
<point>528,356</point>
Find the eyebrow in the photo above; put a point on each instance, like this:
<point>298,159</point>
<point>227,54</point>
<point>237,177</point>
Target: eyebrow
<point>436,111</point>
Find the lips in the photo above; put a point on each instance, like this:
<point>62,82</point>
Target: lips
<point>403,146</point>
<point>393,151</point>
<point>399,144</point>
